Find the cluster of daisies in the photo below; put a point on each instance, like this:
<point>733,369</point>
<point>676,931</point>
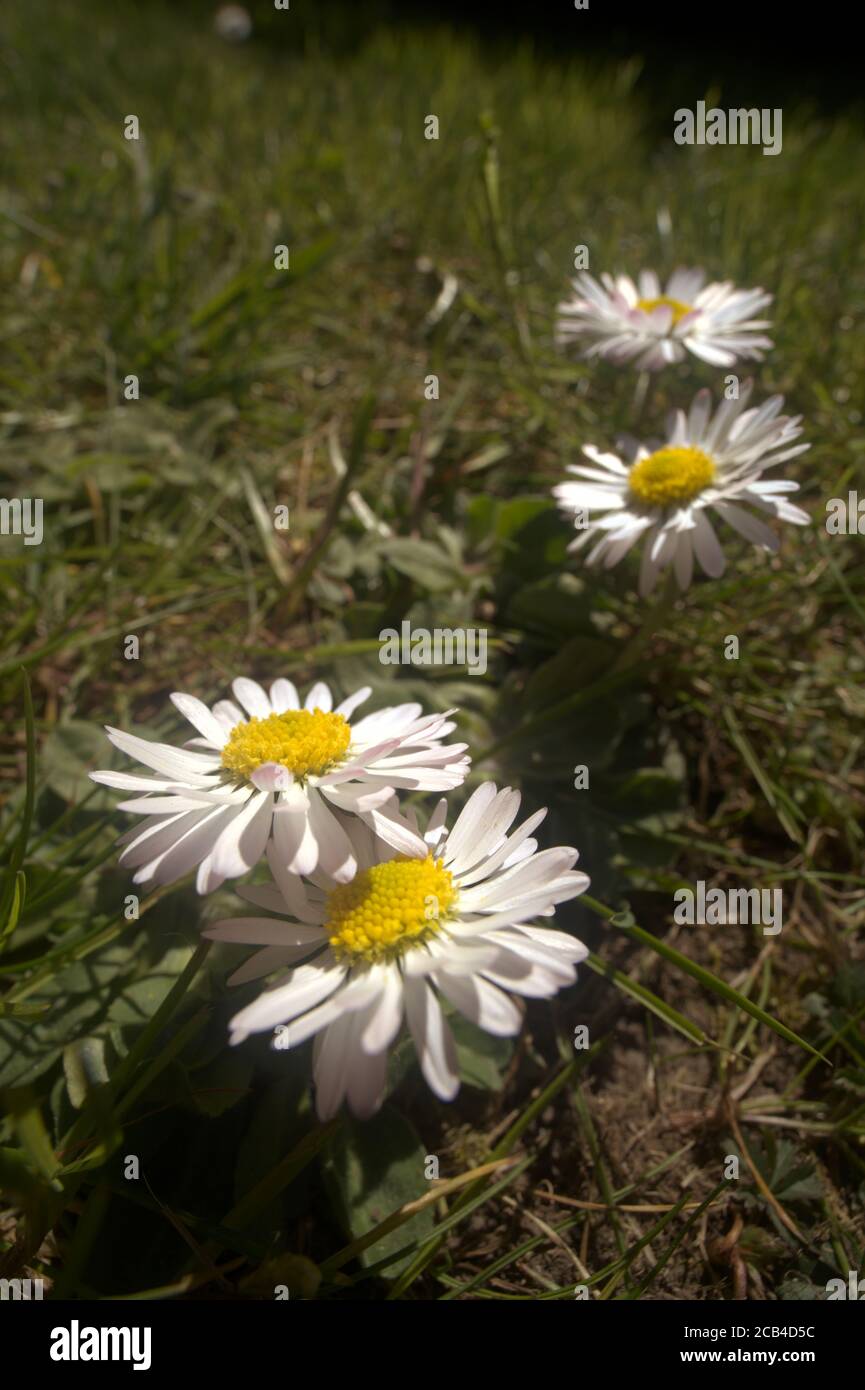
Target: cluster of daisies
<point>371,914</point>
<point>662,492</point>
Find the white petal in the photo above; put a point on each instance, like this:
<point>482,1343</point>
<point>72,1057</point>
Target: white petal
<point>309,984</point>
<point>484,1005</point>
<point>284,696</point>
<point>200,718</point>
<point>436,823</point>
<point>383,1023</point>
<point>555,940</point>
<point>296,898</point>
<point>433,1039</point>
<point>338,1055</point>
<point>319,697</point>
<point>295,843</point>
<point>207,879</point>
<point>355,798</point>
<point>125,781</point>
<point>385,723</point>
<point>228,714</point>
<point>509,847</point>
<point>698,416</point>
<point>167,805</point>
<point>497,820</point>
<point>188,850</point>
<point>367,1082</point>
<point>707,352</point>
<point>264,931</point>
<point>350,704</point>
<point>532,876</point>
<point>161,834</point>
<point>593,498</point>
<point>649,567</point>
<point>331,1066</point>
<point>537,952</point>
<point>748,526</point>
<point>266,961</point>
<point>176,763</point>
<point>361,759</point>
<point>683,560</point>
<point>611,462</point>
<point>252,697</point>
<point>272,777</point>
<point>707,547</point>
<point>523,977</point>
<point>335,851</point>
<point>525,909</point>
<point>396,831</point>
<point>263,895</point>
<point>469,819</point>
<point>242,842</point>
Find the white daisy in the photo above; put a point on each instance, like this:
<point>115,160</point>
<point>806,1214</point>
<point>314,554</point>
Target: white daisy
<point>664,495</point>
<point>651,326</point>
<point>447,919</point>
<point>269,764</point>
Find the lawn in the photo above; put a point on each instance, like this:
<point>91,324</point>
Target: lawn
<point>255,460</point>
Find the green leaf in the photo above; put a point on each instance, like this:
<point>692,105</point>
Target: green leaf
<point>789,1176</point>
<point>83,1000</point>
<point>591,656</point>
<point>19,892</point>
<point>71,751</point>
<point>373,1168</point>
<point>76,999</point>
<point>223,1082</point>
<point>423,562</point>
<point>644,792</point>
<point>482,1058</point>
<point>26,1115</point>
<point>259,1198</point>
<point>275,1125</point>
<point>17,1178</point>
<point>139,1001</point>
<point>512,516</point>
<point>84,1067</point>
<point>555,606</point>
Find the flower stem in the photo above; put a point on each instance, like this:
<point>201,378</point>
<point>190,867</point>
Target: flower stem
<point>641,395</point>
<point>654,615</point>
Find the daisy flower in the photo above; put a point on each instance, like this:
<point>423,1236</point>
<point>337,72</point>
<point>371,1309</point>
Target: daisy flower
<point>663,495</point>
<point>651,326</point>
<point>447,919</point>
<point>270,765</point>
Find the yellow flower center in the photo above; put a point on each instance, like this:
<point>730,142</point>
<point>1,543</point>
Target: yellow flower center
<point>679,309</point>
<point>388,908</point>
<point>673,474</point>
<point>307,742</point>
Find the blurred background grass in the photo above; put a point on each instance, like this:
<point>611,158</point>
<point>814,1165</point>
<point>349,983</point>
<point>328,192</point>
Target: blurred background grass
<point>257,387</point>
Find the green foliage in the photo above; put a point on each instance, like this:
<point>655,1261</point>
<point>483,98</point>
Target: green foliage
<point>371,1169</point>
<point>482,1058</point>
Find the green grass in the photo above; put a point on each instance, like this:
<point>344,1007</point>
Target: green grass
<point>305,388</point>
